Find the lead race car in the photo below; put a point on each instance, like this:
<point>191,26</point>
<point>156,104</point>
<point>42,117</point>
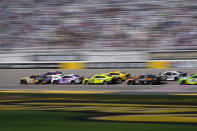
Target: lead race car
<point>189,80</point>
<point>68,79</point>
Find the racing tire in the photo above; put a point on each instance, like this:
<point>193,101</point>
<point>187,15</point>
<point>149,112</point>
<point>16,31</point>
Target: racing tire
<point>23,82</point>
<point>182,83</point>
<point>86,83</point>
<point>150,83</point>
<point>130,83</point>
<point>143,83</point>
<point>55,82</point>
<point>119,81</point>
<point>176,79</point>
<point>72,83</point>
<point>39,82</point>
<point>104,82</point>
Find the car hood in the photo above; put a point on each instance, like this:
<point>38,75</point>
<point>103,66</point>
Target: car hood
<point>25,78</point>
<point>184,78</point>
<point>86,78</point>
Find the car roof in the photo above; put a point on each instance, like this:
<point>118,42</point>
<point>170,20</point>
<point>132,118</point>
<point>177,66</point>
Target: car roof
<point>54,72</point>
<point>70,74</point>
<point>171,71</point>
<point>115,72</point>
<point>103,74</point>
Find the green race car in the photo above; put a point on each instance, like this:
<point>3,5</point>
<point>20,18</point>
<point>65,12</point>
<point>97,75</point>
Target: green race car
<point>103,79</point>
<point>190,80</point>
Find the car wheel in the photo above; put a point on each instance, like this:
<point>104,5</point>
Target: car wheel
<point>72,83</point>
<point>130,83</point>
<point>119,81</point>
<point>175,79</point>
<point>22,82</point>
<point>150,83</point>
<point>39,82</point>
<point>145,83</point>
<point>55,82</point>
<point>182,83</point>
<point>104,82</point>
<point>86,83</point>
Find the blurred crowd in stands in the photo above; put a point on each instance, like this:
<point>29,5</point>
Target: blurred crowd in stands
<point>89,24</point>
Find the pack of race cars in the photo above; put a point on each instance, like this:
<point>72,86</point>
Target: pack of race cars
<point>115,77</point>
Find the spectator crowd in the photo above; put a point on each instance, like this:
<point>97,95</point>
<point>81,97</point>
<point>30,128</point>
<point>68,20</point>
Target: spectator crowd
<point>89,24</point>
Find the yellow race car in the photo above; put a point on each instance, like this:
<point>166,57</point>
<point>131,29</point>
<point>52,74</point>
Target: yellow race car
<point>122,75</point>
<point>100,79</point>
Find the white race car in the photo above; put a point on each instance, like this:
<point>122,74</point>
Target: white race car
<point>68,79</point>
<point>173,75</point>
<point>53,75</point>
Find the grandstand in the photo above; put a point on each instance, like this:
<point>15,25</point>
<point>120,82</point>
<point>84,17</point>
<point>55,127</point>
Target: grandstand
<point>90,24</point>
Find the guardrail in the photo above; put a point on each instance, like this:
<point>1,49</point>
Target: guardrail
<point>101,65</point>
<point>74,65</point>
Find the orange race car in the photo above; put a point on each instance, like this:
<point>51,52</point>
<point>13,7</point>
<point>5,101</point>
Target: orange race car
<point>144,79</point>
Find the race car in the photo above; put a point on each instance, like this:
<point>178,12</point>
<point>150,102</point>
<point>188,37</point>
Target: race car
<point>189,80</point>
<point>173,75</point>
<point>100,79</point>
<point>52,75</point>
<point>122,75</point>
<point>68,79</point>
<point>35,79</point>
<point>144,79</point>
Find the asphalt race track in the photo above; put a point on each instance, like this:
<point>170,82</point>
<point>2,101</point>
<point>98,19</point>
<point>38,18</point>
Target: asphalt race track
<point>10,82</point>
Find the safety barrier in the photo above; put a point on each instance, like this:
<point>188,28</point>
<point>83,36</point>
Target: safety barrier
<point>101,65</point>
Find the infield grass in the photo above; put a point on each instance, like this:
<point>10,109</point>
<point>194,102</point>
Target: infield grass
<point>52,119</point>
<point>62,121</point>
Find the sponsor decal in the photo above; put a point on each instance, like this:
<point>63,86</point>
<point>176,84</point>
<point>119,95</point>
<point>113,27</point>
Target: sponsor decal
<point>159,64</point>
<point>70,65</point>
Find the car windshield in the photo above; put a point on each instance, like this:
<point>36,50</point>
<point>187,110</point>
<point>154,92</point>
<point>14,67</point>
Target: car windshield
<point>49,73</point>
<point>32,76</point>
<point>67,76</point>
<point>76,75</point>
<point>151,76</point>
<point>109,75</point>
